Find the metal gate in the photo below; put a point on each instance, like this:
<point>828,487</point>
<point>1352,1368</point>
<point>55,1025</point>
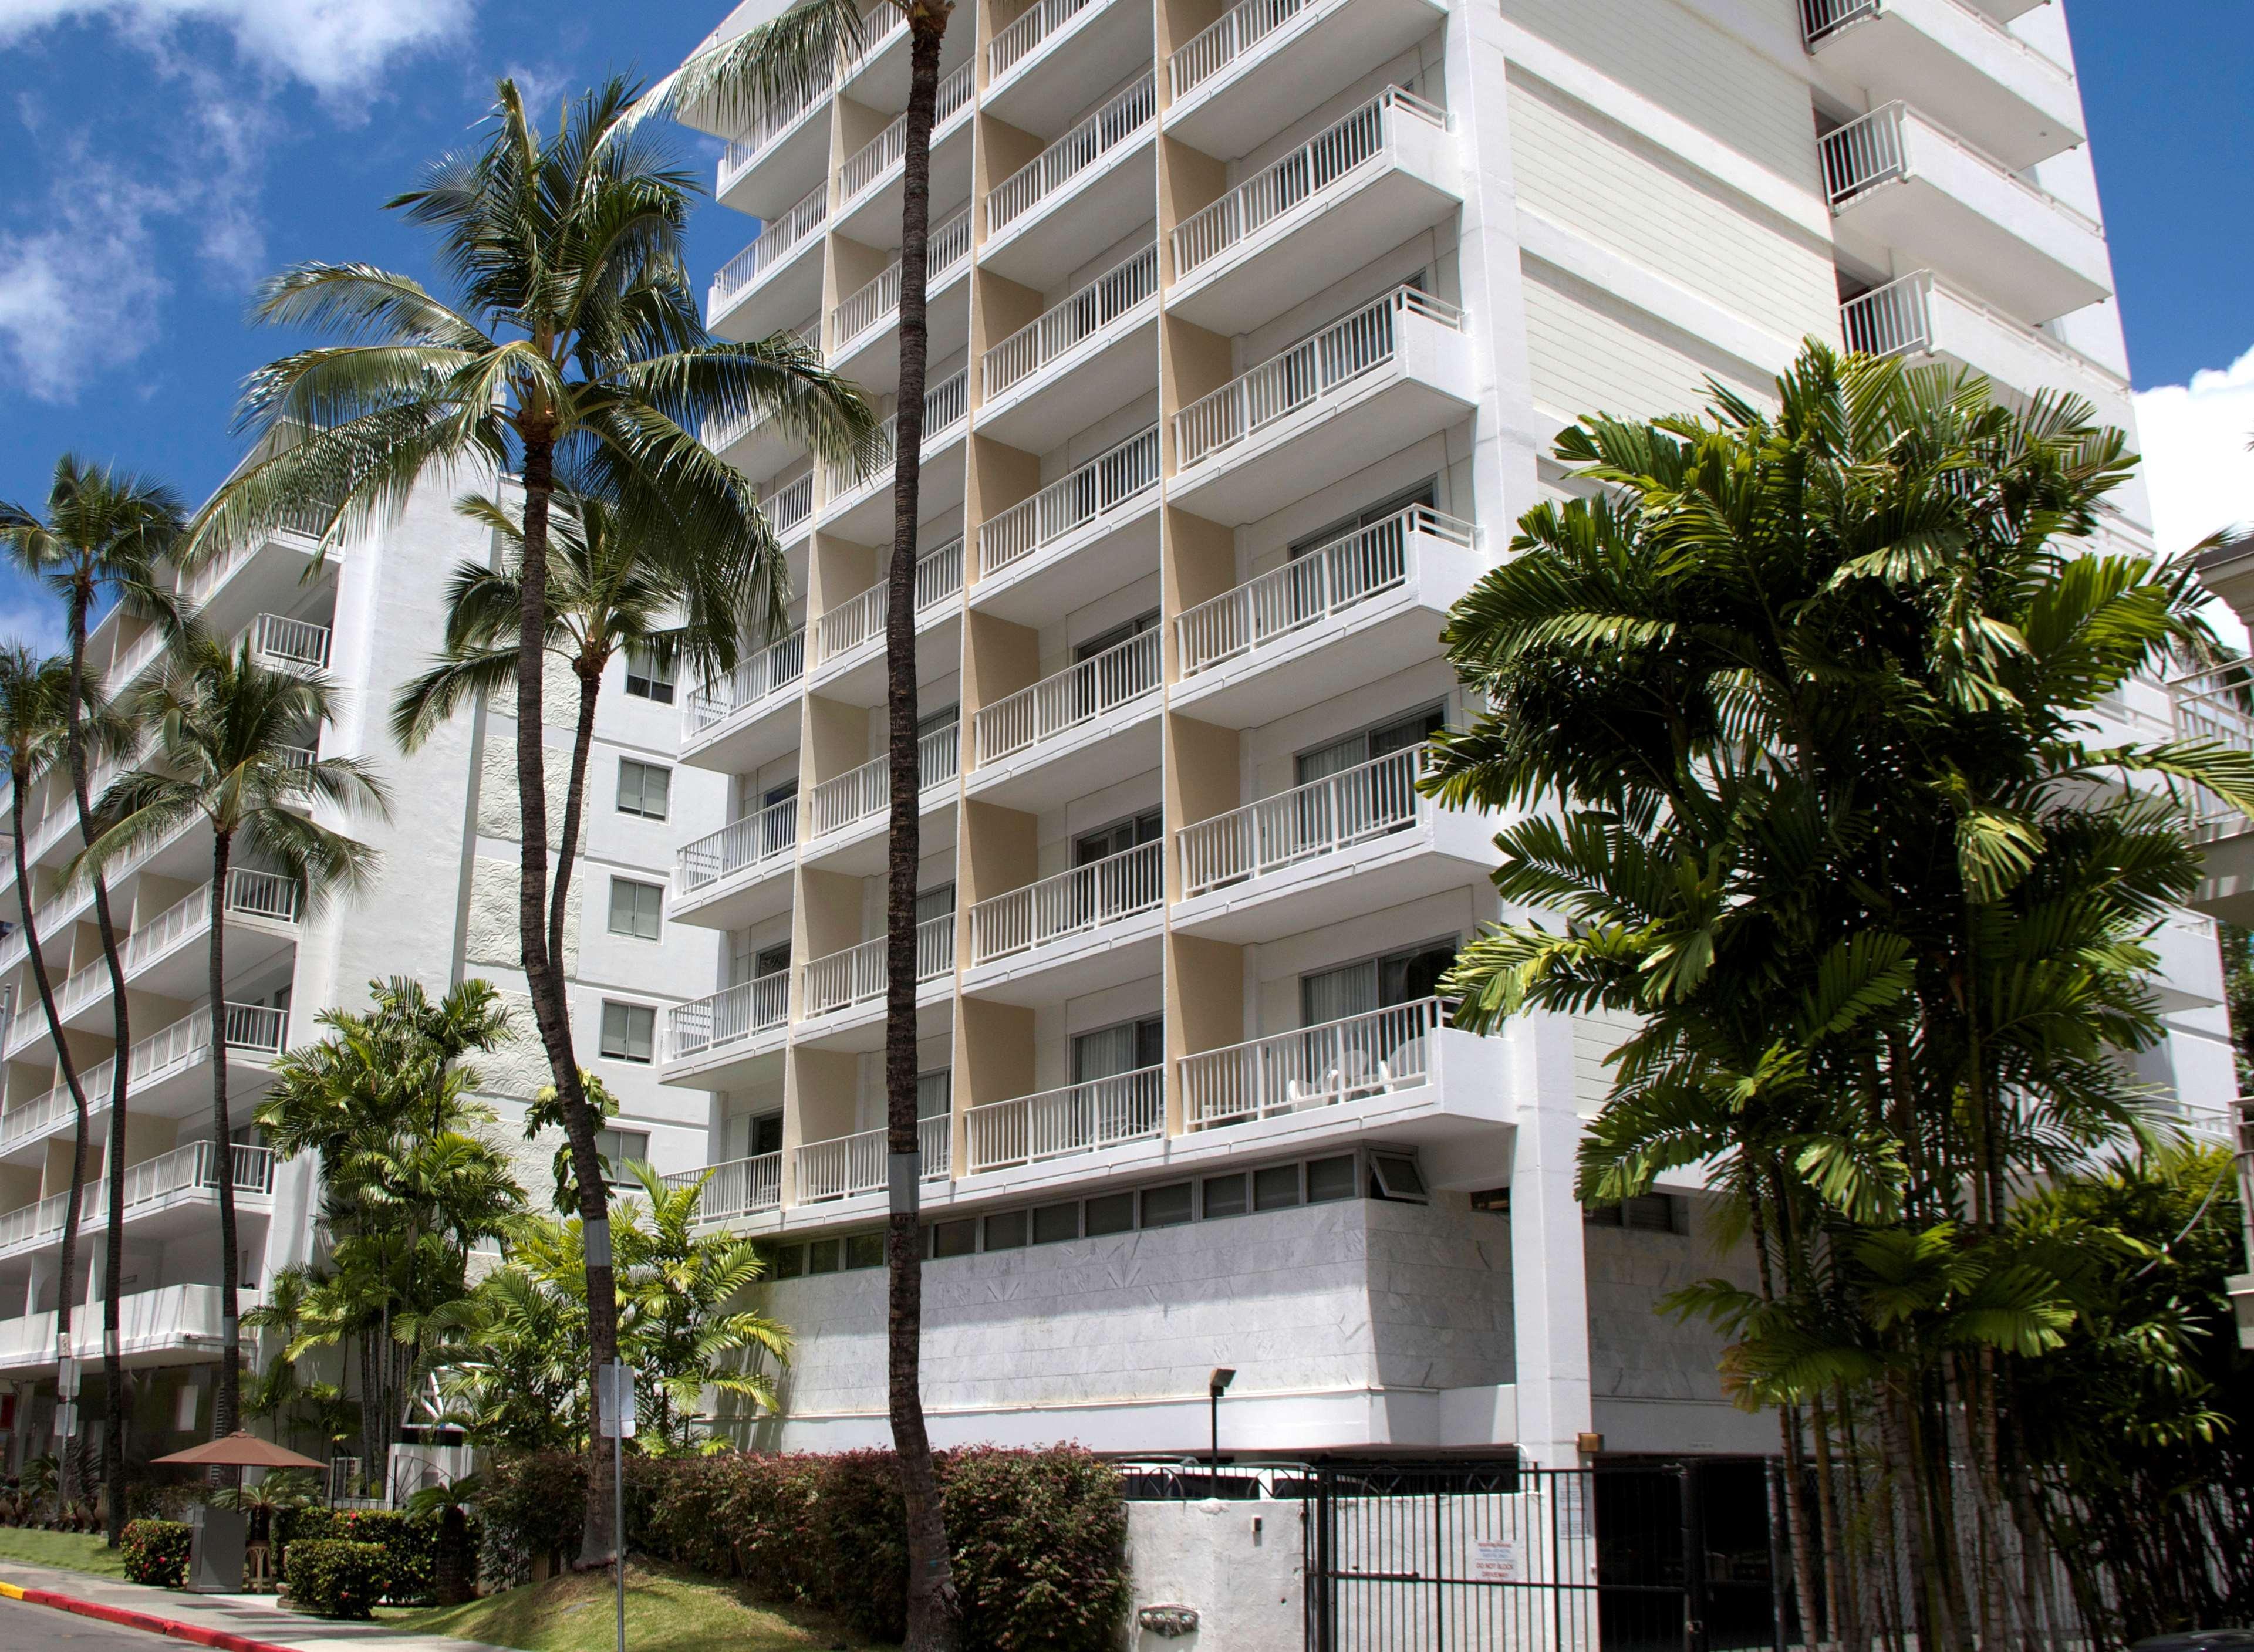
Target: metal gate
<point>1495,1556</point>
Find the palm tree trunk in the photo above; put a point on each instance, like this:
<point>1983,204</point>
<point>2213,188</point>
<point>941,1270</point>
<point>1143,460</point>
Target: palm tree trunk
<point>575,797</point>
<point>543,979</point>
<point>931,1600</point>
<point>71,1457</point>
<point>113,1257</point>
<point>227,1407</point>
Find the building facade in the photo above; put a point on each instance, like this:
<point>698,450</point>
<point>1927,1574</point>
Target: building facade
<point>1251,328</point>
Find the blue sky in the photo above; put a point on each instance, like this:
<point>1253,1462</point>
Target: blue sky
<point>164,154</point>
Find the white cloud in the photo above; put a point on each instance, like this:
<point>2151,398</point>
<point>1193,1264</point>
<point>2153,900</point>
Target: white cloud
<point>331,46</point>
<point>79,289</point>
<point>2196,459</point>
<point>38,625</point>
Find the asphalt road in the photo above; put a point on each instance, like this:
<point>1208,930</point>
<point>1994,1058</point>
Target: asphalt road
<point>24,1628</point>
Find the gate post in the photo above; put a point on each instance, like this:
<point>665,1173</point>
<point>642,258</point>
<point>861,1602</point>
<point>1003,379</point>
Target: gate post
<point>1694,1563</point>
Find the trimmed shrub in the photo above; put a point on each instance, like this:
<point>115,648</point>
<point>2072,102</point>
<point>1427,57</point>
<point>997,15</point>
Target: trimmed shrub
<point>532,1507</point>
<point>334,1580</point>
<point>1039,1540</point>
<point>156,1551</point>
<point>410,1543</point>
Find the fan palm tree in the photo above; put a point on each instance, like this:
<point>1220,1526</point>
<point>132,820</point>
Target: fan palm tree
<point>574,340</point>
<point>104,535</point>
<point>234,740</point>
<point>787,57</point>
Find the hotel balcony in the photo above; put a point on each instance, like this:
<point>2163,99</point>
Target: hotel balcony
<point>868,186</point>
<point>1044,219</point>
<point>1080,359</point>
<point>848,1166</point>
<point>1058,55</point>
<point>1352,843</point>
<point>760,445</point>
<point>1904,190</point>
<point>1309,221</point>
<point>163,1327</point>
<point>849,816</point>
<point>1095,926</point>
<point>1087,533</point>
<point>840,998</point>
<point>749,716</point>
<point>228,591</point>
<point>877,75</point>
<point>1364,388</point>
<point>739,1187</point>
<point>1352,610</point>
<point>739,874</point>
<point>859,505</point>
<point>866,324</point>
<point>848,640</point>
<point>1080,1118</point>
<point>777,278</point>
<point>1072,732</point>
<point>2210,708</point>
<point>1920,315</point>
<point>707,1041</point>
<point>170,1196</point>
<point>184,854</point>
<point>1265,63</point>
<point>780,153</point>
<point>297,645</point>
<point>2001,94</point>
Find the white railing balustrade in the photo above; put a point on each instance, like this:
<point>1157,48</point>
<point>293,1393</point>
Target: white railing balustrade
<point>1080,1118</point>
<point>56,1107</point>
<point>305,524</point>
<point>1325,580</point>
<point>1304,374</point>
<point>850,1165</point>
<point>1305,172</point>
<point>1239,29</point>
<point>146,646</point>
<point>945,405</point>
<point>1337,811</point>
<point>152,1183</point>
<point>864,792</point>
<point>789,506</point>
<point>740,1187</point>
<point>1069,503</point>
<point>1070,903</point>
<point>1895,319</point>
<point>1819,20</point>
<point>2215,707</point>
<point>857,975</point>
<point>1344,1060</point>
<point>859,619</point>
<point>729,1015</point>
<point>1075,152</point>
<point>769,833</point>
<point>1867,151</point>
<point>777,237</point>
<point>1009,47</point>
<point>869,164</point>
<point>1125,287</point>
<point>719,435</point>
<point>1073,698</point>
<point>290,645</point>
<point>879,301</point>
<point>770,671</point>
<point>1821,17</point>
<point>770,121</point>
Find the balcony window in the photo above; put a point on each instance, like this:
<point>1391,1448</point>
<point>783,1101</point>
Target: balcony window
<point>617,1149</point>
<point>1117,838</point>
<point>751,1135</point>
<point>629,1032</point>
<point>636,908</point>
<point>1368,745</point>
<point>936,1089</point>
<point>1374,984</point>
<point>1110,1051</point>
<point>644,788</point>
<point>649,678</point>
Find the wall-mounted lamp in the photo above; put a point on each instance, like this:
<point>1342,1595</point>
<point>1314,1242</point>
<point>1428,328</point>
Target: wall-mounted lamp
<point>1215,1387</point>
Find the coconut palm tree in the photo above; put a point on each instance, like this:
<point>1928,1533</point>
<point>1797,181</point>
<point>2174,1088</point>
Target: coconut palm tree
<point>573,340</point>
<point>234,744</point>
<point>786,58</point>
<point>105,534</point>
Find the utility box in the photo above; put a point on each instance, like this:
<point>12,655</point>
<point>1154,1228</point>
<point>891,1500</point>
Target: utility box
<point>215,1549</point>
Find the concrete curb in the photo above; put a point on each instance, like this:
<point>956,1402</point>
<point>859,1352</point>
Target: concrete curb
<point>225,1640</point>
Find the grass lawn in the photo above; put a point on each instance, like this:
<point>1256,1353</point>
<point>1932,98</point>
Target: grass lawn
<point>667,1611</point>
<point>68,1550</point>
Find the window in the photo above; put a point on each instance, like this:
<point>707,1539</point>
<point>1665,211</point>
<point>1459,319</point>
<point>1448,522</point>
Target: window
<point>934,1092</point>
<point>644,788</point>
<point>1330,1178</point>
<point>865,1250</point>
<point>937,902</point>
<point>635,908</point>
<point>1395,1176</point>
<point>751,1135</point>
<point>629,1031</point>
<point>1646,1213</point>
<point>647,677</point>
<point>620,1148</point>
<point>1006,1230</point>
<point>1117,838</point>
<point>1054,1223</point>
<point>954,1238</point>
<point>1276,1189</point>
<point>789,1263</point>
<point>1368,744</point>
<point>1424,493</point>
<point>1168,1207</point>
<point>1374,984</point>
<point>1131,1046</point>
<point>822,1257</point>
<point>1110,1213</point>
<point>1224,1196</point>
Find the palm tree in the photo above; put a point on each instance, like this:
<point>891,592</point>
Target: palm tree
<point>574,340</point>
<point>607,592</point>
<point>786,58</point>
<point>104,534</point>
<point>233,738</point>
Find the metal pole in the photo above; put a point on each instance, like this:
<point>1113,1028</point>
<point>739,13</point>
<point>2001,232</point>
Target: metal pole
<point>1213,1487</point>
<point>618,1489</point>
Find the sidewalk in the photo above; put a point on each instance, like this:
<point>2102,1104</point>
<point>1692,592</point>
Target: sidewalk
<point>254,1617</point>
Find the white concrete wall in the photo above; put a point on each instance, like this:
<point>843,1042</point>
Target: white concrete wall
<point>1242,1565</point>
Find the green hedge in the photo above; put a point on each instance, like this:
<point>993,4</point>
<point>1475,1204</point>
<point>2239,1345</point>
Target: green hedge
<point>410,1543</point>
<point>156,1551</point>
<point>1039,1537</point>
<point>335,1579</point>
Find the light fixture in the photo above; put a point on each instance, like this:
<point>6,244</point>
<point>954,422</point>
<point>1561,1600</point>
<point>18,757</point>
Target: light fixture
<point>1216,1387</point>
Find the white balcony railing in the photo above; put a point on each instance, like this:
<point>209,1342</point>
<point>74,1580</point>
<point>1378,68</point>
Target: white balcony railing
<point>197,588</point>
<point>1304,374</point>
<point>790,506</point>
<point>945,405</point>
<point>857,975</point>
<point>1009,47</point>
<point>131,664</point>
<point>1874,148</point>
<point>1820,19</point>
<point>251,1028</point>
<point>1070,903</point>
<point>864,792</point>
<point>2215,707</point>
<point>1329,579</point>
<point>770,122</point>
<point>850,1165</point>
<point>720,435</point>
<point>859,619</point>
<point>1236,31</point>
<point>777,238</point>
<point>772,670</point>
<point>879,301</point>
<point>1080,1118</point>
<point>1124,287</point>
<point>152,1184</point>
<point>249,894</point>
<point>1069,503</point>
<point>1077,151</point>
<point>869,164</point>
<point>1073,698</point>
<point>1301,175</point>
<point>290,645</point>
<point>1344,1060</point>
<point>740,1187</point>
<point>1337,811</point>
<point>1895,319</point>
<point>730,1016</point>
<point>769,833</point>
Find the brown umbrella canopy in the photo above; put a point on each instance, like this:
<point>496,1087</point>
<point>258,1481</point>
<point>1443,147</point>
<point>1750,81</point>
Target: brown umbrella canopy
<point>241,1450</point>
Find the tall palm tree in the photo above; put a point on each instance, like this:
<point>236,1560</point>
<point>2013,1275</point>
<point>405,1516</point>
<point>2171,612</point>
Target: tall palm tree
<point>104,535</point>
<point>786,58</point>
<point>233,746</point>
<point>574,340</point>
<point>608,591</point>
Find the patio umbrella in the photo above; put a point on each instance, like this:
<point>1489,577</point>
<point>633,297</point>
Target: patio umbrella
<point>241,1450</point>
